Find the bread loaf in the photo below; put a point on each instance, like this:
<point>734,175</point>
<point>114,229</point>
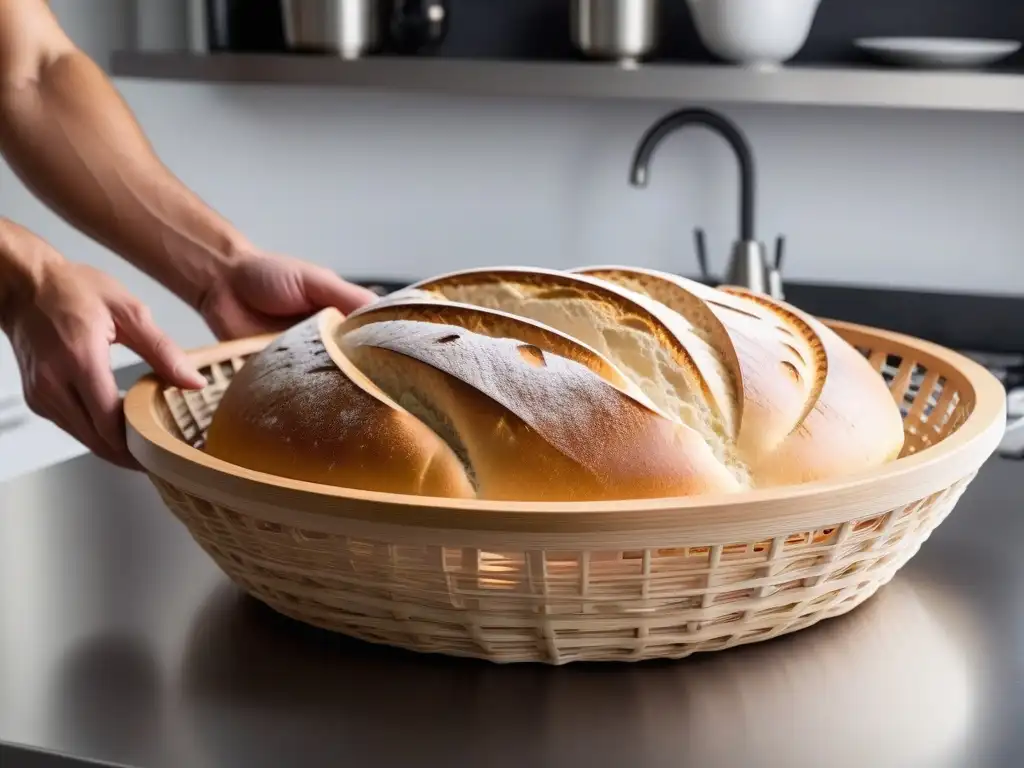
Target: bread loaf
<point>533,384</point>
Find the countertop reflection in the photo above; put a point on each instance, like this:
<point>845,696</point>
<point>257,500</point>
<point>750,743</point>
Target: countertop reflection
<point>120,641</point>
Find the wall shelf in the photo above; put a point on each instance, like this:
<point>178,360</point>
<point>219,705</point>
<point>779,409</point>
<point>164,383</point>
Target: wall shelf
<point>991,91</point>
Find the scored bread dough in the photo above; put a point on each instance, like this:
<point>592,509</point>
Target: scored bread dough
<point>532,384</point>
<point>513,411</point>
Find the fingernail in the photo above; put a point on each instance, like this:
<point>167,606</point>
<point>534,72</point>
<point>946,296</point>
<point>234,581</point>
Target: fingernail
<point>192,375</point>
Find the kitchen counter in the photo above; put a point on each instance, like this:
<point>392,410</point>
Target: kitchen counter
<point>121,642</point>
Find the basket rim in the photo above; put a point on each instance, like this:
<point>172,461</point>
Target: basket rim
<point>796,507</point>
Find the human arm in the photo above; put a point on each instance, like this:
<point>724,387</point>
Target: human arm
<point>74,142</point>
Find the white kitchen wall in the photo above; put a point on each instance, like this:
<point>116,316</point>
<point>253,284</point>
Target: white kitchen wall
<point>389,185</point>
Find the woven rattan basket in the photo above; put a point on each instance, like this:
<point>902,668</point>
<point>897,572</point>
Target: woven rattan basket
<point>560,582</point>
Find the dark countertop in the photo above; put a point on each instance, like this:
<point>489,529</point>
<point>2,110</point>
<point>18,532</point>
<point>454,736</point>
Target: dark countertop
<point>120,641</point>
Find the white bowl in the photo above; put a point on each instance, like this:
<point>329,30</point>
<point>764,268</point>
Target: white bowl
<point>756,33</point>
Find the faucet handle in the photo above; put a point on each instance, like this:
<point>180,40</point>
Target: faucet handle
<point>702,254</point>
<point>775,270</point>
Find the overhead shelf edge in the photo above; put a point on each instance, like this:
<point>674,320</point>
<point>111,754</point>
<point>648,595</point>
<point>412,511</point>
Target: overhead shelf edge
<point>981,91</point>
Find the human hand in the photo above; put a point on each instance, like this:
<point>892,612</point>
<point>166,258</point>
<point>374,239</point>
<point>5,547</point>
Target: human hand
<point>265,292</point>
<point>61,327</point>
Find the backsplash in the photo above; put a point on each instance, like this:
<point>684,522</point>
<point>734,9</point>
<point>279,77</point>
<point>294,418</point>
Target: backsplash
<point>387,185</point>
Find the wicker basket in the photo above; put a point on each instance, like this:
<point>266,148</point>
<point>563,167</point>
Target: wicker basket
<point>561,582</point>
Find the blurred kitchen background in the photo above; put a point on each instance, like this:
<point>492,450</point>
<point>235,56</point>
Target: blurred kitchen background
<point>381,184</point>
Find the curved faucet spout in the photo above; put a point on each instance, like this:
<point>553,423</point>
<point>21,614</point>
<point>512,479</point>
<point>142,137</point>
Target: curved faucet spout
<point>724,128</point>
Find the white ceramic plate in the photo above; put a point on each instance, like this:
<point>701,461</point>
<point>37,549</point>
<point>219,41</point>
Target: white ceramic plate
<point>937,52</point>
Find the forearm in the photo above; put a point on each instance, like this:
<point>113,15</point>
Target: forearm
<point>76,145</point>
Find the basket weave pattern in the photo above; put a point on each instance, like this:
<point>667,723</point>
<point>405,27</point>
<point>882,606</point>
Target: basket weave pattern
<point>518,606</point>
<point>597,602</point>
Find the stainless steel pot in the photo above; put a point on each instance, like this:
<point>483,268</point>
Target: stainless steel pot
<point>622,30</point>
<point>348,28</point>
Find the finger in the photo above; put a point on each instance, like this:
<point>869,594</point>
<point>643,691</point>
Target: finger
<point>325,289</point>
<point>51,400</point>
<point>137,331</point>
<point>114,451</point>
<point>96,392</point>
<point>62,409</point>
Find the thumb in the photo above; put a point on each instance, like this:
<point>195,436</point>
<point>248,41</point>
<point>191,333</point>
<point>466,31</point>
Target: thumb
<point>323,288</point>
<point>137,331</point>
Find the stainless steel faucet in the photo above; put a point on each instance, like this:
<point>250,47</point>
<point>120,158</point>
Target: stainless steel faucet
<point>748,264</point>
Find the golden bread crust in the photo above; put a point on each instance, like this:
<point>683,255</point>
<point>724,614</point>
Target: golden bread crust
<point>533,384</point>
